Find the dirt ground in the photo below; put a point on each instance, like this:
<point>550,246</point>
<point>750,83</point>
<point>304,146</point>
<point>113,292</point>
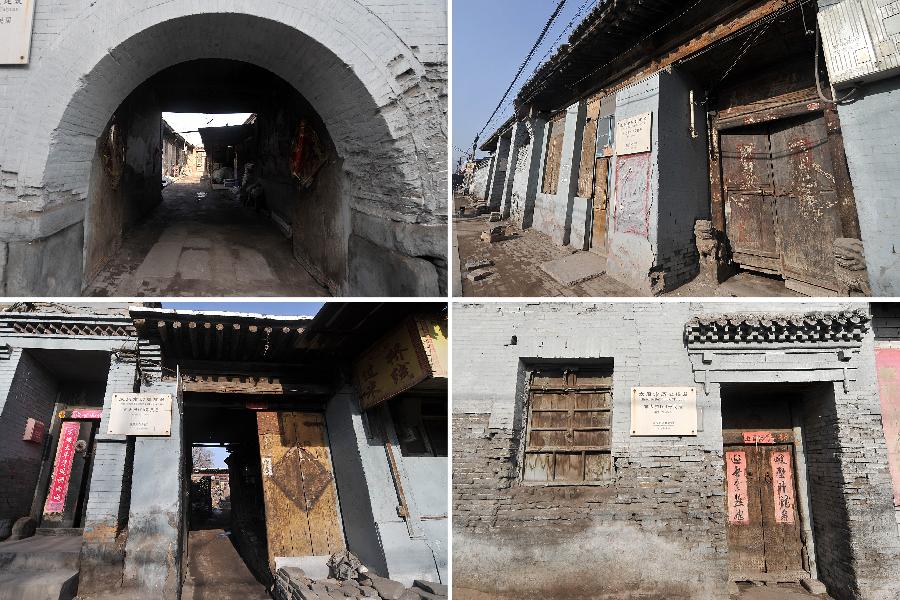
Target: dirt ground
<point>516,269</point>
<point>747,592</point>
<point>215,570</point>
<point>193,245</point>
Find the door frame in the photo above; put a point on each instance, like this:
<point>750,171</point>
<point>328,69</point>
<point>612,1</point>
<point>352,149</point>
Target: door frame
<point>777,108</point>
<point>62,413</point>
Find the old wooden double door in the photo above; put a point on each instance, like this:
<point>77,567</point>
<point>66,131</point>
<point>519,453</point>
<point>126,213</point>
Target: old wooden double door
<point>302,516</point>
<point>782,210</point>
<point>763,522</point>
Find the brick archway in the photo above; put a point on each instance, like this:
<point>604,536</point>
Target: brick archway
<point>365,82</point>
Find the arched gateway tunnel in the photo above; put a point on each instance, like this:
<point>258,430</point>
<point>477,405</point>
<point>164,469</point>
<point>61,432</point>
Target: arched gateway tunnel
<point>348,149</point>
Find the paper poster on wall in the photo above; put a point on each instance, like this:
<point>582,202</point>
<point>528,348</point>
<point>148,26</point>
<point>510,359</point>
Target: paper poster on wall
<point>660,411</point>
<point>140,414</point>
<point>736,483</point>
<point>782,487</point>
<point>887,361</point>
<point>16,24</point>
<point>632,197</point>
<point>634,134</point>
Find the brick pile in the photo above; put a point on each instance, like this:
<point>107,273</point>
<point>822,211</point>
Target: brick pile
<point>292,584</point>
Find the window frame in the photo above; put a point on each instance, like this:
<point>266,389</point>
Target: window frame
<point>570,375</point>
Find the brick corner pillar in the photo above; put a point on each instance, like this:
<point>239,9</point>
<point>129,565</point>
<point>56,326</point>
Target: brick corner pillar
<point>519,138</point>
<point>873,540</point>
<point>497,182</point>
<point>528,171</point>
<point>102,554</point>
<point>155,519</point>
<point>570,162</point>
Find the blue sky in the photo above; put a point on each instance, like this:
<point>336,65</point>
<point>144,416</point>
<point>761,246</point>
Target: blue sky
<point>490,40</point>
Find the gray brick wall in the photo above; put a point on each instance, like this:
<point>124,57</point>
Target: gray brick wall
<point>657,526</point>
<point>32,393</point>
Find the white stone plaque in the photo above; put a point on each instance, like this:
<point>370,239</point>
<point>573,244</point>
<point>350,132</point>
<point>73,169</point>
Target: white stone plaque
<point>659,411</point>
<point>140,414</point>
<point>16,23</point>
<point>633,135</point>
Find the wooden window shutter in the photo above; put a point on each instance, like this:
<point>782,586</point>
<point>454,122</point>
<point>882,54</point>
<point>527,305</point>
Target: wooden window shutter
<point>554,153</point>
<point>568,436</point>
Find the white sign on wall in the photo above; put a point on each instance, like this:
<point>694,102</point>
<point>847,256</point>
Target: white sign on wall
<point>140,414</point>
<point>16,23</point>
<point>660,411</point>
<point>633,135</point>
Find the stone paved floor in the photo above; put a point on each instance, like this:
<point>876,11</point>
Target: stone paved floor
<point>517,273</point>
<point>192,246</point>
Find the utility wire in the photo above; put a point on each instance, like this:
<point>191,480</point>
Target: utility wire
<point>528,58</point>
<point>577,18</point>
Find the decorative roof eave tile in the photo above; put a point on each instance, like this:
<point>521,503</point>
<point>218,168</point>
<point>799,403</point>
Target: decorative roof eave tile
<point>844,327</point>
<point>56,324</point>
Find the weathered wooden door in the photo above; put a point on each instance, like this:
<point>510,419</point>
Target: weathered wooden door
<point>808,214</point>
<point>298,485</point>
<point>781,206</point>
<point>601,205</point>
<point>763,524</point>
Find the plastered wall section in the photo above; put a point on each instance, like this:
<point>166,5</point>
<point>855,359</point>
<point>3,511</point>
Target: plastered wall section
<point>634,193</point>
<point>369,501</point>
<point>870,125</point>
<point>556,214</point>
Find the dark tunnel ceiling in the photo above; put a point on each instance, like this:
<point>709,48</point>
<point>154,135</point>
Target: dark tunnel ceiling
<point>215,86</point>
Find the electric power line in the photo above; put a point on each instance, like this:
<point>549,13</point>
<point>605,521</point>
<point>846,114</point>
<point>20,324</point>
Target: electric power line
<point>528,58</point>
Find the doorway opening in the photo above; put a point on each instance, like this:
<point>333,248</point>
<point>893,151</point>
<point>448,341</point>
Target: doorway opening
<point>786,516</point>
<point>225,548</point>
<point>255,201</point>
<point>273,457</point>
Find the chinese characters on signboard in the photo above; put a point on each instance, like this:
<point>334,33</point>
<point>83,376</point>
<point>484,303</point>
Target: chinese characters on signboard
<point>736,480</point>
<point>663,411</point>
<point>392,366</point>
<point>16,22</point>
<point>783,486</point>
<point>62,468</point>
<point>140,414</point>
<point>417,350</point>
<point>633,135</point>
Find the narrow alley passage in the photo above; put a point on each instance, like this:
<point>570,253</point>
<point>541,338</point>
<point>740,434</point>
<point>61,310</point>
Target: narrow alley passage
<point>216,571</point>
<point>201,241</point>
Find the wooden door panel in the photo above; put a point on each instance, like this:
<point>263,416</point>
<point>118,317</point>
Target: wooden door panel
<point>746,161</point>
<point>588,151</point>
<point>746,553</point>
<point>298,485</point>
<point>601,205</point>
<point>783,542</point>
<point>808,207</point>
<point>750,223</point>
<point>808,226</point>
<point>767,537</point>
